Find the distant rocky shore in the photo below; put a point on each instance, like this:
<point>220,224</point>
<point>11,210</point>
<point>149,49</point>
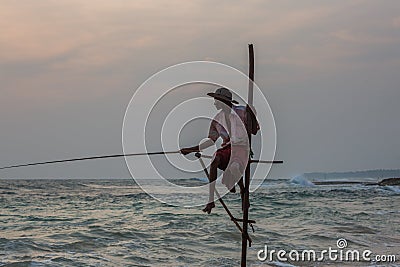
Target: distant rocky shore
<point>390,181</point>
<point>384,182</point>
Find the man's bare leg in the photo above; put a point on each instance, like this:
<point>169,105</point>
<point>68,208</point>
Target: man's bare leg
<point>241,185</point>
<point>235,172</point>
<point>213,177</point>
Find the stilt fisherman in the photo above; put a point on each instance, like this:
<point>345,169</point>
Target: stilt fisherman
<point>230,125</point>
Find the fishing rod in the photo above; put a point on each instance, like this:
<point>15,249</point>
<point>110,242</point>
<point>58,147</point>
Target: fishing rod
<point>90,158</point>
<point>252,160</point>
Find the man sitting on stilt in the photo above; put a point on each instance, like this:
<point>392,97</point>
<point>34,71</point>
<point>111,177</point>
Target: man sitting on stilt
<point>232,157</point>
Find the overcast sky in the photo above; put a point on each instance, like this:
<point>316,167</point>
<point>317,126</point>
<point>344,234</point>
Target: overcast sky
<point>330,71</point>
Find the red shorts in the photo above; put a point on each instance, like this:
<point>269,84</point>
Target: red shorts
<point>224,155</point>
<point>240,155</point>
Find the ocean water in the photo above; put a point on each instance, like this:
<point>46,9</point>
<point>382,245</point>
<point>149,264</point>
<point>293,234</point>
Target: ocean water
<point>114,223</point>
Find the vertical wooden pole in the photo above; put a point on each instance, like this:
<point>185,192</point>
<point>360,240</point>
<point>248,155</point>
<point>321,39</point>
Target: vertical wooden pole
<point>246,200</point>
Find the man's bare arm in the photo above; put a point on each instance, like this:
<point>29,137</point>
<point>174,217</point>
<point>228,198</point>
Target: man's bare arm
<point>207,143</point>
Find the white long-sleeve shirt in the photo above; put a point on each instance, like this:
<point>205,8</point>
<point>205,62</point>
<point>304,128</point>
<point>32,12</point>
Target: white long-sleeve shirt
<point>238,120</point>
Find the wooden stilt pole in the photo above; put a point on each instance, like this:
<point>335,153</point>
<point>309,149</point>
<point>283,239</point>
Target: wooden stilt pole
<point>246,200</point>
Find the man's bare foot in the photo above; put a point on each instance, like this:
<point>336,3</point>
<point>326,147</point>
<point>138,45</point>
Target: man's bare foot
<point>233,190</point>
<point>209,207</point>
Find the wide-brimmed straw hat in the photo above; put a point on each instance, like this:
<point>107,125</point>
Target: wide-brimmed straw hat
<point>223,94</point>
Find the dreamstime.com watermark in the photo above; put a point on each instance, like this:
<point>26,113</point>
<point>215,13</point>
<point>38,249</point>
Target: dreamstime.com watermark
<point>340,254</point>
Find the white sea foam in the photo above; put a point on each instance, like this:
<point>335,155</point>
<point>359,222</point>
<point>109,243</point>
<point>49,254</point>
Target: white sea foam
<point>203,179</point>
<point>301,181</point>
<point>281,264</point>
<point>395,189</point>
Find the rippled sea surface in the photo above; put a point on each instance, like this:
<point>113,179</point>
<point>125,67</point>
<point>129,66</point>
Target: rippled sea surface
<point>114,223</point>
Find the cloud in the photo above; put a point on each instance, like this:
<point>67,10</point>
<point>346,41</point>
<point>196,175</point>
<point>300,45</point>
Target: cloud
<point>396,22</point>
<point>85,57</point>
<point>64,47</point>
<point>364,39</point>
